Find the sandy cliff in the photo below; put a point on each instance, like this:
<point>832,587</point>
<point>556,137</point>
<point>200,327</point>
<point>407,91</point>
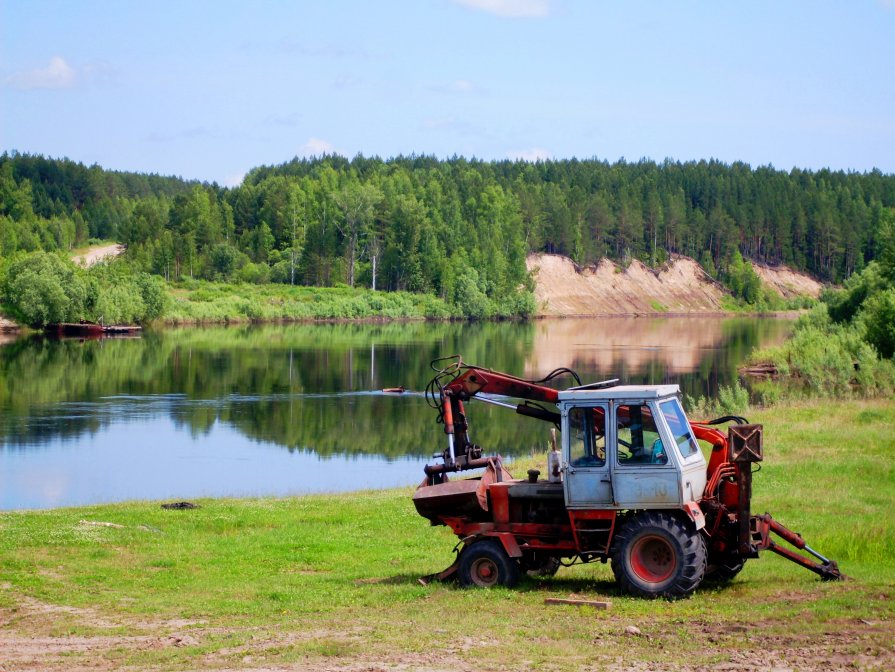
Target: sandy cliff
<point>679,286</point>
<point>786,282</point>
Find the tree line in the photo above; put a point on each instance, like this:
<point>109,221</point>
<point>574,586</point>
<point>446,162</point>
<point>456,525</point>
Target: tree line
<point>457,228</point>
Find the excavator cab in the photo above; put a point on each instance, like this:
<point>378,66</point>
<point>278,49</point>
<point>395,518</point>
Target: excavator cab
<point>629,447</point>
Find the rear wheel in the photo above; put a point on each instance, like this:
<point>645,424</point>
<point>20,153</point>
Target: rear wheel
<point>486,564</point>
<point>658,555</point>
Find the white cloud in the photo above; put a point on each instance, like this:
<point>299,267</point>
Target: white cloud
<point>316,147</point>
<point>514,9</point>
<point>57,75</point>
<point>887,4</point>
<point>462,85</point>
<point>531,155</point>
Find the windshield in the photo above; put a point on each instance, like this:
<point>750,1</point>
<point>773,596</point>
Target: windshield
<point>680,428</point>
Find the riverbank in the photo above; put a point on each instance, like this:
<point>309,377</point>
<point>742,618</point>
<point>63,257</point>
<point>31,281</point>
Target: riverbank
<point>329,582</point>
<point>561,289</point>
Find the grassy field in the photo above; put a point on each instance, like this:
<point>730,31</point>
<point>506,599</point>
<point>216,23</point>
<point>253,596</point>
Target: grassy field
<point>192,302</point>
<point>330,582</point>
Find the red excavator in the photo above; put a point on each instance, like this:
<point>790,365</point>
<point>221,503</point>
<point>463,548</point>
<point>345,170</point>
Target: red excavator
<point>630,485</point>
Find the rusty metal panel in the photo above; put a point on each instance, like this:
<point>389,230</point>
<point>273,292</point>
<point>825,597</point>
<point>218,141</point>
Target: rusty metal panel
<point>500,502</point>
<point>745,443</point>
<point>454,498</point>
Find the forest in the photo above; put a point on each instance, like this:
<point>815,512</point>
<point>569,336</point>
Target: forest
<point>459,229</point>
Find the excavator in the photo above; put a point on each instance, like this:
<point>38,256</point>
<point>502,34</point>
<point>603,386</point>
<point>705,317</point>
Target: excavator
<point>629,484</point>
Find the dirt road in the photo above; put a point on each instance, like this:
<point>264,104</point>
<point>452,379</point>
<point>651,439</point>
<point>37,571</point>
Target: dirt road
<point>98,252</point>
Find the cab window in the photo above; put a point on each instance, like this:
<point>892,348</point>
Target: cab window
<point>680,428</point>
<point>638,437</point>
<point>587,437</point>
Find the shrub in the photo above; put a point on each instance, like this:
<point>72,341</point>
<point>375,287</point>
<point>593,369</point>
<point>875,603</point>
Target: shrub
<point>829,360</point>
<point>878,316</point>
<point>472,301</point>
<point>152,289</point>
<point>256,274</point>
<point>43,288</point>
<point>731,400</point>
<point>281,272</point>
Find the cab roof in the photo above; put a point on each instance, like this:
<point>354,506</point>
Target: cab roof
<point>620,392</point>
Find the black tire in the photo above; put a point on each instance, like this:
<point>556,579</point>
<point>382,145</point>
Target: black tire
<point>658,555</point>
<point>486,564</point>
<point>724,571</point>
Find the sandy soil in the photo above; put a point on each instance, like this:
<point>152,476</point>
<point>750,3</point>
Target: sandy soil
<point>94,254</point>
<point>680,286</point>
<point>786,282</point>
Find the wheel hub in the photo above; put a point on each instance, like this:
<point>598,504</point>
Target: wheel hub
<point>484,572</point>
<point>653,559</point>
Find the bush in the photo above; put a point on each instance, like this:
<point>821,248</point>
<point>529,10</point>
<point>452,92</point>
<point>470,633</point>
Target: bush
<point>152,289</point>
<point>732,400</point>
<point>826,359</point>
<point>256,274</point>
<point>844,304</point>
<point>878,316</point>
<point>281,272</point>
<point>43,288</point>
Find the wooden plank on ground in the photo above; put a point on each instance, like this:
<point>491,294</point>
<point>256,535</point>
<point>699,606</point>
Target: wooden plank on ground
<point>596,604</point>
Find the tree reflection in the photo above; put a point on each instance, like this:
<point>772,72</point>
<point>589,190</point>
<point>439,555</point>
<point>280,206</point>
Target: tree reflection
<point>313,387</point>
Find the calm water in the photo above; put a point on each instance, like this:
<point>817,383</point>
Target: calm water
<point>279,410</point>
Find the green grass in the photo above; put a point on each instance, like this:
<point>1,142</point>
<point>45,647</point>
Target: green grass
<point>331,581</point>
<point>203,302</point>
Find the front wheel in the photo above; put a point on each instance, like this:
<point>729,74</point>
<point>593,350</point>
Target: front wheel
<point>486,564</point>
<point>656,555</point>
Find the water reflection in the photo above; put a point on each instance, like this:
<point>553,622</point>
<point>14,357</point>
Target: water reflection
<point>297,408</point>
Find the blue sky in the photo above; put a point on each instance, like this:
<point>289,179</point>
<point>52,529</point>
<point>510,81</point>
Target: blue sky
<point>208,90</point>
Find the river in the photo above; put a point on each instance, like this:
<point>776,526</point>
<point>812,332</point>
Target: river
<point>295,409</point>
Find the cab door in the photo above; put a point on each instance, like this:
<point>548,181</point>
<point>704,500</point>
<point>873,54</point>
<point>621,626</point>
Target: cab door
<point>587,481</point>
<point>645,470</point>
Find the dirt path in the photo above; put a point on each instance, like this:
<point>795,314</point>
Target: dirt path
<point>96,253</point>
<point>32,638</point>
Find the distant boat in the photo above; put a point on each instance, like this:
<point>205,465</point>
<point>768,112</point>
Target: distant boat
<point>91,329</point>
